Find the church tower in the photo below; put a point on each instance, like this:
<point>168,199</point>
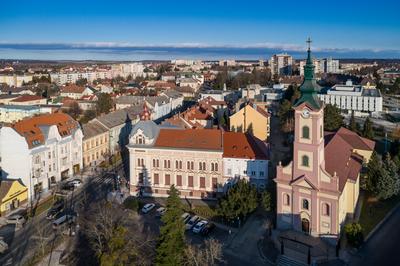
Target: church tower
<point>308,155</point>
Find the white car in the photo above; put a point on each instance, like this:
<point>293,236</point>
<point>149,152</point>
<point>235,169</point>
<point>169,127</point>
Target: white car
<point>16,219</point>
<point>148,207</point>
<point>161,211</point>
<point>199,226</point>
<point>192,222</point>
<point>75,182</point>
<point>185,217</point>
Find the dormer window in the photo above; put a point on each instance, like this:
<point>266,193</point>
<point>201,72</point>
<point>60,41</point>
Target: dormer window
<point>140,140</point>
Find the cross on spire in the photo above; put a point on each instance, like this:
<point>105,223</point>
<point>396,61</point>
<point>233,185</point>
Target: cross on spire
<point>309,43</point>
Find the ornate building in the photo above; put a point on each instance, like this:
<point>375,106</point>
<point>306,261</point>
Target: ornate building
<point>320,187</point>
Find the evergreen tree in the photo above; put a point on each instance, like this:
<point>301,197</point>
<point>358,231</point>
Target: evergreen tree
<point>239,202</point>
<point>374,171</point>
<point>104,103</point>
<point>333,120</point>
<point>171,244</point>
<point>368,130</point>
<point>266,201</point>
<point>353,123</point>
<point>388,185</point>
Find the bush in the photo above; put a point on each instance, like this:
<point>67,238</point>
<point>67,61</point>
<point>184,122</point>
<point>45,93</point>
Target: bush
<point>354,234</point>
<point>132,203</point>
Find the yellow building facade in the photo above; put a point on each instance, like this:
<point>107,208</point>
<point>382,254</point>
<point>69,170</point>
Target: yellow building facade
<point>12,194</point>
<point>251,119</point>
<point>95,144</point>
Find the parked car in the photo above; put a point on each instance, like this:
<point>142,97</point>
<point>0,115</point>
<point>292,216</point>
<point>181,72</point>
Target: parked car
<point>192,222</point>
<point>68,186</point>
<point>71,217</point>
<point>3,246</point>
<point>186,217</point>
<point>16,219</point>
<point>148,207</point>
<point>161,211</point>
<point>76,183</point>
<point>207,229</point>
<point>53,212</point>
<point>199,226</point>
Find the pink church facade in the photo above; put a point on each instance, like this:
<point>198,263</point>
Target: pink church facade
<point>319,189</point>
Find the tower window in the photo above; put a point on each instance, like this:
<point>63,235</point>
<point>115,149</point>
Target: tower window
<point>286,199</point>
<point>305,204</point>
<point>305,161</point>
<point>306,132</point>
<point>325,209</point>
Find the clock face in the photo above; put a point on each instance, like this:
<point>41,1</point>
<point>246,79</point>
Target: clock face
<point>305,113</point>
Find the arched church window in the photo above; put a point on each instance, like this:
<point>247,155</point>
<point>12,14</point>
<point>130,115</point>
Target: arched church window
<point>306,132</point>
<point>305,161</point>
<point>305,204</point>
<point>286,199</point>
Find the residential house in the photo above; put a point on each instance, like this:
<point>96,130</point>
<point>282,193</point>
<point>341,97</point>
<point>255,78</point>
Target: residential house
<point>75,92</point>
<point>28,100</point>
<point>50,147</point>
<point>95,143</point>
<point>13,194</point>
<point>252,119</point>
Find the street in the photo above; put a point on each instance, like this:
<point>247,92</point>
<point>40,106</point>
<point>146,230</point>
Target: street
<point>23,243</point>
<point>382,248</point>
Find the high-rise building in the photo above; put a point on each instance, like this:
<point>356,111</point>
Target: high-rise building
<point>326,65</point>
<point>281,64</point>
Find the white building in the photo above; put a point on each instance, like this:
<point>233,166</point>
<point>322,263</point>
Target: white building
<point>71,77</point>
<point>13,113</point>
<point>41,151</point>
<point>245,157</point>
<point>357,98</point>
<point>326,65</point>
<point>281,64</point>
<point>15,80</point>
<point>125,70</point>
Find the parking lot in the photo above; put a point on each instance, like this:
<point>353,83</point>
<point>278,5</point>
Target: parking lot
<point>152,222</point>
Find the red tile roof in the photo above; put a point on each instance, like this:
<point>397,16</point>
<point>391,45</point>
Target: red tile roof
<point>197,139</point>
<point>340,157</point>
<point>30,127</point>
<point>72,89</point>
<point>246,146</point>
<point>28,98</point>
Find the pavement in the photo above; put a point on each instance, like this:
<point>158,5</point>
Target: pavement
<point>382,247</point>
<point>24,242</point>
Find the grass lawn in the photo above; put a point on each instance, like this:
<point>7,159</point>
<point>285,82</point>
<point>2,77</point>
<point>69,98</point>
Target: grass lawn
<point>373,211</point>
<point>45,205</point>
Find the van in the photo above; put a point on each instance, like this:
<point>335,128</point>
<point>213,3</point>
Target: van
<point>63,219</point>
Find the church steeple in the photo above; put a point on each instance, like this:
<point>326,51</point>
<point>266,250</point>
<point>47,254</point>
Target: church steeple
<point>309,88</point>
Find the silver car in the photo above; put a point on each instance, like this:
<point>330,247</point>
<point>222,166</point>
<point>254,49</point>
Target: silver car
<point>16,219</point>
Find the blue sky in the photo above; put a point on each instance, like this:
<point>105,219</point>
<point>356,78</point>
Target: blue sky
<point>351,24</point>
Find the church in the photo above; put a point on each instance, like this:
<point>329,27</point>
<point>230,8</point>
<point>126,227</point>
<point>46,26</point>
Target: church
<point>319,188</point>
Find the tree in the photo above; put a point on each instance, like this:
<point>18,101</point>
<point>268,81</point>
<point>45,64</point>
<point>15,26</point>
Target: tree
<point>210,254</point>
<point>87,116</point>
<point>388,185</point>
<point>104,103</point>
<point>354,234</point>
<point>374,169</point>
<point>74,110</point>
<point>171,243</point>
<point>239,201</point>
<point>81,82</point>
<point>285,115</point>
<point>108,237</point>
<point>352,123</point>
<point>333,120</point>
<point>266,201</point>
<point>368,130</point>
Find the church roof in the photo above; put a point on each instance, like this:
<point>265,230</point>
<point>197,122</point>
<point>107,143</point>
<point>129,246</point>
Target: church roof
<point>340,157</point>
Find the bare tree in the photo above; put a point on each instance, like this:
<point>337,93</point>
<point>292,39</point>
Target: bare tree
<point>209,254</point>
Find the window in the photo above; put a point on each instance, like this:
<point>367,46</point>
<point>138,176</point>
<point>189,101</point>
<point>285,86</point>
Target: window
<point>167,180</point>
<point>229,171</point>
<point>200,166</point>
<point>179,180</point>
<point>306,132</point>
<point>286,199</point>
<point>214,183</point>
<point>216,166</point>
<point>202,182</point>
<point>253,173</point>
<point>261,173</point>
<point>204,166</point>
<point>190,181</point>
<point>212,166</point>
<point>156,179</point>
<point>320,131</point>
<point>305,160</point>
<point>325,209</point>
<point>49,155</point>
<point>167,164</point>
<point>305,204</point>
